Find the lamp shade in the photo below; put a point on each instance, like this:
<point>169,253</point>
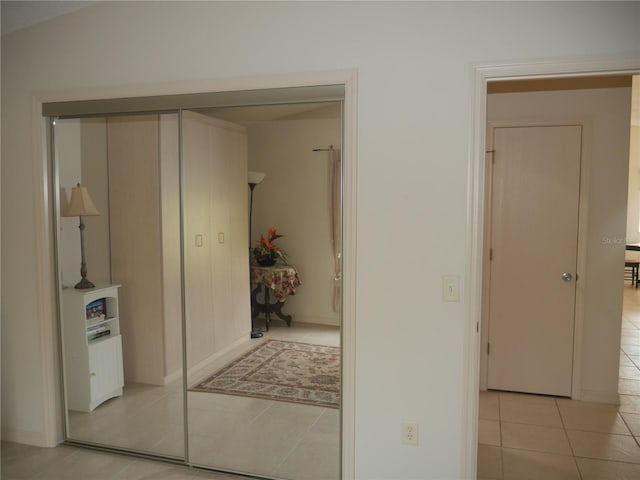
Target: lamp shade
<point>80,204</point>
<point>256,177</point>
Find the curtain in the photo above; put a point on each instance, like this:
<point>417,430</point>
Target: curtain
<point>335,194</point>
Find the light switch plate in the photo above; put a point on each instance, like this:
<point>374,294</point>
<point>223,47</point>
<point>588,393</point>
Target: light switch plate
<point>451,288</point>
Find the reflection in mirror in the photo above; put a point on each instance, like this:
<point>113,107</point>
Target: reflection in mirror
<point>265,406</point>
<point>122,344</point>
<point>270,405</point>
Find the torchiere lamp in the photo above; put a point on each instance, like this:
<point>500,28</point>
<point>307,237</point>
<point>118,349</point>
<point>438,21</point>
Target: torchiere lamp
<point>81,205</point>
<point>254,179</point>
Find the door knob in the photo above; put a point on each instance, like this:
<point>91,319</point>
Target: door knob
<point>566,276</point>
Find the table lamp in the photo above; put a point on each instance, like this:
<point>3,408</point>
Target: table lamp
<point>80,206</point>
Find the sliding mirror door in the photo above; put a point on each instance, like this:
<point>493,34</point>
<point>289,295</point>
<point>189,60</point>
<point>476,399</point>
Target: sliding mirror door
<point>212,241</point>
<point>121,338</point>
<point>266,403</point>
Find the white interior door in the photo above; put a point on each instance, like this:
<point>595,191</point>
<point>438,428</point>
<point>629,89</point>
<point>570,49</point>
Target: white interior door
<point>534,232</point>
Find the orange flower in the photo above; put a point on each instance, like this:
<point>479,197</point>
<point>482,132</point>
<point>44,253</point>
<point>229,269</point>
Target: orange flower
<point>266,248</point>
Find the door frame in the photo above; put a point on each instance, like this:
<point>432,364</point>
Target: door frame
<point>43,215</point>
<point>583,197</point>
<point>479,75</point>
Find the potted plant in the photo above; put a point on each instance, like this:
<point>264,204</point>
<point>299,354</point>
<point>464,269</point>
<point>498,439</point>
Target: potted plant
<point>266,253</point>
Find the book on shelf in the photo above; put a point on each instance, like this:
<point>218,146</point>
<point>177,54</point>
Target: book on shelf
<point>96,308</point>
<point>95,336</point>
<point>95,320</point>
<point>94,314</point>
<point>97,329</point>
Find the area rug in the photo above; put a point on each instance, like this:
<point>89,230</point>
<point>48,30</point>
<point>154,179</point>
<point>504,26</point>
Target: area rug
<point>284,371</point>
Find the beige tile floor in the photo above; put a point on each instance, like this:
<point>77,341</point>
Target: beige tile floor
<point>240,434</point>
<point>22,462</point>
<point>536,437</point>
<point>520,436</point>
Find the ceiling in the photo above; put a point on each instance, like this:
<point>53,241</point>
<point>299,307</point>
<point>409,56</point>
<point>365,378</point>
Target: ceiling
<point>18,14</point>
<point>266,113</point>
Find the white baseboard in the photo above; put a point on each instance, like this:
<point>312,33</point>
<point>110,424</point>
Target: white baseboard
<point>37,439</point>
<point>599,397</point>
<point>302,318</point>
<point>177,374</point>
<point>172,377</point>
<point>203,364</point>
<point>219,354</point>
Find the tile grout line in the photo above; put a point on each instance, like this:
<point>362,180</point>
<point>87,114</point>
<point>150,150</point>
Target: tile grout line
<point>628,319</point>
<point>296,445</point>
<point>635,438</point>
<point>628,357</point>
<point>632,396</point>
<point>566,435</point>
<point>501,441</point>
<point>628,428</point>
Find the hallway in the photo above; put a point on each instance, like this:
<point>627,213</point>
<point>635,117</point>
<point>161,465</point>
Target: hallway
<point>534,437</point>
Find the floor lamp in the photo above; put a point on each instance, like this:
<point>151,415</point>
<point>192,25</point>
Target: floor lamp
<point>80,206</point>
<point>254,179</point>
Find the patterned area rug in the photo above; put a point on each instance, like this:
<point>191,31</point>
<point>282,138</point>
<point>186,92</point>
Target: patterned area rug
<point>285,371</point>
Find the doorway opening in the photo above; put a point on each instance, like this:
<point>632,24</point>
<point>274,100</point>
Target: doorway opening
<point>504,416</point>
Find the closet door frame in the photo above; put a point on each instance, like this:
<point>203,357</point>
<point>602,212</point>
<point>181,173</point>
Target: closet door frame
<point>48,305</point>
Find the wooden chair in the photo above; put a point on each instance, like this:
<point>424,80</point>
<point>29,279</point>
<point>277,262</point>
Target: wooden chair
<point>634,265</point>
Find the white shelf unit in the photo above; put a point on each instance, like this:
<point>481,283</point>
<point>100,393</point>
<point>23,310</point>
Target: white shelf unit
<point>93,366</point>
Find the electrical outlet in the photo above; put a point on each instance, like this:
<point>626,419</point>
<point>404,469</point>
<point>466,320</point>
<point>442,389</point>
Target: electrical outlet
<point>410,433</point>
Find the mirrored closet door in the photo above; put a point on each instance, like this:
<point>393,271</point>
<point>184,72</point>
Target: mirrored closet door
<point>267,405</point>
<point>190,343</point>
<point>121,339</point>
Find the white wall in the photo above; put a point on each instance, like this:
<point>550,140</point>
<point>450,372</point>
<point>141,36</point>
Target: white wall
<point>605,116</point>
<point>294,198</point>
<point>413,108</point>
<point>170,220</point>
<point>633,202</point>
<point>81,149</point>
<point>136,243</point>
<point>216,267</point>
<point>68,145</point>
<point>93,147</point>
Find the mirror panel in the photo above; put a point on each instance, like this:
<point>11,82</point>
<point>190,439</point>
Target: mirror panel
<point>262,356</point>
<point>122,342</point>
<point>269,405</point>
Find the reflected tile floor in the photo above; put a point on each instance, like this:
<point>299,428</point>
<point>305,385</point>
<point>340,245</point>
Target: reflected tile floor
<point>20,462</point>
<point>240,434</point>
<point>265,437</point>
<point>537,437</point>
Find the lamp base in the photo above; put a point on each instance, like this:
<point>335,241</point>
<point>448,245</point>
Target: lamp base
<point>256,334</point>
<point>84,284</point>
